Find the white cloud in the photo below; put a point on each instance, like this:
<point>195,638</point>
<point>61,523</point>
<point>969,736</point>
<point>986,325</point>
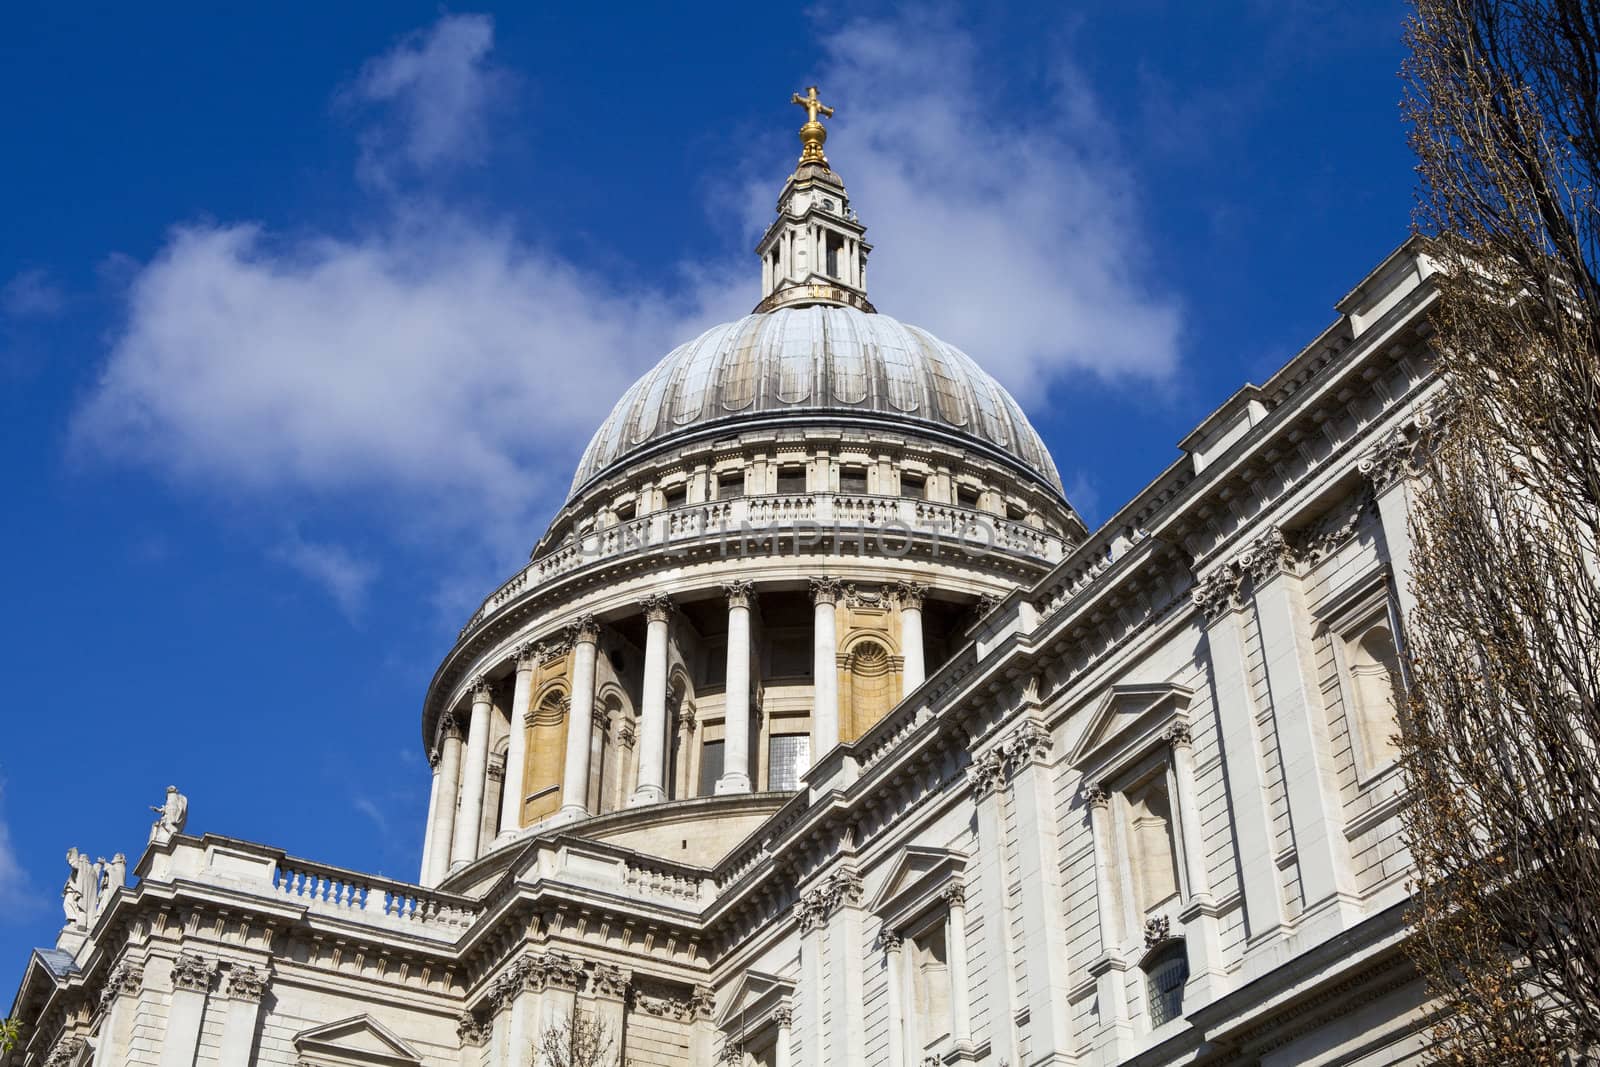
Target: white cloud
<point>435,87</point>
<point>15,892</point>
<point>31,294</point>
<point>446,366</point>
<point>1015,238</point>
<point>344,577</point>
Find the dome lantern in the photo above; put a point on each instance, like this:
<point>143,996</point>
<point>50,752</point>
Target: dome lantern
<point>813,252</point>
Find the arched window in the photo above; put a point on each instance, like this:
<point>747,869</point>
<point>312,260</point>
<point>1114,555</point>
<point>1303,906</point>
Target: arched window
<point>1165,972</point>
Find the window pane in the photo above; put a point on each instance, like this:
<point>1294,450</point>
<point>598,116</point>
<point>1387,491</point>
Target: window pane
<point>853,480</point>
<point>710,768</point>
<point>791,479</point>
<point>788,757</point>
<point>1165,983</point>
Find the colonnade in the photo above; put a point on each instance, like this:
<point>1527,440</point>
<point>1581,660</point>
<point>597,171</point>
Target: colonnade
<point>460,757</point>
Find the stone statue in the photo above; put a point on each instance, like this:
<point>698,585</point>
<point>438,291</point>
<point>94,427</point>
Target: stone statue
<point>83,886</point>
<point>114,878</point>
<point>171,817</point>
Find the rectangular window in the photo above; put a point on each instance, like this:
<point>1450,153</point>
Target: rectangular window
<point>852,479</point>
<point>674,496</point>
<point>791,479</point>
<point>788,757</point>
<point>730,486</point>
<point>715,672</point>
<point>914,486</point>
<point>625,511</point>
<point>966,496</point>
<point>1016,513</point>
<point>711,763</point>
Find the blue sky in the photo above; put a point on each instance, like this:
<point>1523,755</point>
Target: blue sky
<point>306,314</point>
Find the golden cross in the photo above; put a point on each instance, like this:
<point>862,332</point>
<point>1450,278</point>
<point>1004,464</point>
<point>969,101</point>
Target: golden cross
<point>812,105</point>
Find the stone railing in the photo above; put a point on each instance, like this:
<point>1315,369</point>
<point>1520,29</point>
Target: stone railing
<point>651,879</point>
<point>335,891</point>
<point>868,523</point>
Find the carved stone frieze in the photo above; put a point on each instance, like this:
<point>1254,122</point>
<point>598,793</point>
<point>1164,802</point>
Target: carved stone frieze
<point>191,972</point>
<point>246,982</point>
<point>480,687</point>
<point>987,773</point>
<point>1218,593</point>
<point>65,1052</point>
<point>608,981</point>
<point>840,889</point>
<point>1177,734</point>
<point>1157,930</point>
<point>657,608</point>
<point>1095,795</point>
<point>1028,743</point>
<point>825,590</point>
<point>739,593</point>
<point>472,1030</point>
<point>126,977</point>
<point>1269,555</point>
<point>1395,457</point>
<point>783,1015</point>
<point>910,594</point>
<point>584,631</point>
<point>955,895</point>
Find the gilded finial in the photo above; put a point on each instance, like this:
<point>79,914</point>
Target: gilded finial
<point>813,133</point>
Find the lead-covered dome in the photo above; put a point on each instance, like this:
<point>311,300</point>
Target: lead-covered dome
<point>810,364</point>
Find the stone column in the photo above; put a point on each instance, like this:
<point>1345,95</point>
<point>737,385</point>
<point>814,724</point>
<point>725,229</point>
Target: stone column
<point>653,727</point>
<point>894,967</point>
<point>245,986</point>
<point>1208,977</point>
<point>702,1027</point>
<point>915,670</point>
<point>118,1000</point>
<point>955,897</point>
<point>1116,1031</point>
<point>191,982</point>
<point>736,720</point>
<point>474,777</point>
<point>1219,597</point>
<point>1311,781</point>
<point>443,831</point>
<point>511,791</point>
<point>609,987</point>
<point>424,877</point>
<point>986,777</point>
<point>846,1037</point>
<point>824,668</point>
<point>1038,854</point>
<point>1389,469</point>
<point>580,724</point>
<point>784,1017</point>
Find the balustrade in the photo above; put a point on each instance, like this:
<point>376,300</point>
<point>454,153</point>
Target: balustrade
<point>337,891</point>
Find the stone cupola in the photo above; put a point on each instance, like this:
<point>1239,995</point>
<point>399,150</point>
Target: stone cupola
<point>813,252</point>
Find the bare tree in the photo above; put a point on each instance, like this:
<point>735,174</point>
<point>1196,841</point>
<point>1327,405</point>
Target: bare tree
<point>1501,740</point>
<point>578,1040</point>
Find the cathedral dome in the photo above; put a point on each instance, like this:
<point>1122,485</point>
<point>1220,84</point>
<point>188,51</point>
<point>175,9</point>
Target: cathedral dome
<point>810,364</point>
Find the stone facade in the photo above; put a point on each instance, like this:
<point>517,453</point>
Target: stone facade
<point>830,737</point>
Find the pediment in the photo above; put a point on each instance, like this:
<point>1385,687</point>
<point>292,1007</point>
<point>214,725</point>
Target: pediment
<point>359,1041</point>
<point>918,875</point>
<point>752,999</point>
<point>1125,720</point>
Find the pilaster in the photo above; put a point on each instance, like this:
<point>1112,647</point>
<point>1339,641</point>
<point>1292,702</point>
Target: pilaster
<point>1219,596</point>
<point>192,977</point>
<point>246,984</point>
<point>1322,852</point>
